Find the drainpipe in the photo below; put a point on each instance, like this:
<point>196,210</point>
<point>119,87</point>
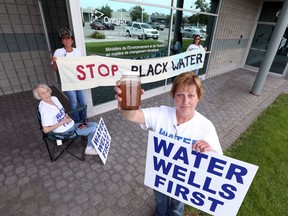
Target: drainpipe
<point>276,37</point>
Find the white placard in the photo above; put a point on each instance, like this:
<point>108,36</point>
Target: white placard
<point>102,140</point>
<point>210,182</point>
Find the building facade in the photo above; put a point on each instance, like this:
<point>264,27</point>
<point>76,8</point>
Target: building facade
<point>238,35</point>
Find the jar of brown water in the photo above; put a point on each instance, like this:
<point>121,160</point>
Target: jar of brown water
<point>131,91</point>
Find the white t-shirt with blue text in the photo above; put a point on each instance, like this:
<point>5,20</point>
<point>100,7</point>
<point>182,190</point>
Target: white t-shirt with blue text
<point>50,115</point>
<point>163,120</point>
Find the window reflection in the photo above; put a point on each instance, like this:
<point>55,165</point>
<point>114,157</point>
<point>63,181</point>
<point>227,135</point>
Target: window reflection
<point>260,44</point>
<point>106,25</point>
<point>270,11</point>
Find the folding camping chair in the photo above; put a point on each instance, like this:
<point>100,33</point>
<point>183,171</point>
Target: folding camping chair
<point>67,140</point>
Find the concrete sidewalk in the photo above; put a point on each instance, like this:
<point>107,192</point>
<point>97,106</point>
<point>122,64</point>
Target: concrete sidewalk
<point>31,185</point>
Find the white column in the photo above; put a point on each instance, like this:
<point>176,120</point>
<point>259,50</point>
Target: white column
<point>77,24</point>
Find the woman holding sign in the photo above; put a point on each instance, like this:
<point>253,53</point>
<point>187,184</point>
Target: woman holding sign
<point>181,122</point>
<point>196,45</point>
<point>54,118</point>
<point>76,97</point>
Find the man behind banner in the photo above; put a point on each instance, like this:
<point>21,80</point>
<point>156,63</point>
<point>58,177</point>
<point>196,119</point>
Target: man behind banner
<point>181,122</point>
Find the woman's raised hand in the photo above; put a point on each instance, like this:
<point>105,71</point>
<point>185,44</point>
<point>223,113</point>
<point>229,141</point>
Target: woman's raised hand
<point>118,93</point>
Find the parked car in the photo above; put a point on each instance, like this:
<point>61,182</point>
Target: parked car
<point>141,30</point>
<point>97,25</point>
<point>188,26</point>
<point>108,26</point>
<point>158,26</point>
<point>190,32</point>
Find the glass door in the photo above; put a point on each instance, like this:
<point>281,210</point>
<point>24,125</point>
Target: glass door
<point>267,20</point>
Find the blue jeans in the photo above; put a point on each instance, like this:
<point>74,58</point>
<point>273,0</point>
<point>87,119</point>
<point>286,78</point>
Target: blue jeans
<point>88,131</point>
<point>75,98</point>
<point>167,206</point>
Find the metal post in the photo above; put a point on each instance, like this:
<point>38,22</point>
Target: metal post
<point>276,37</point>
<point>178,18</point>
<point>170,35</point>
<point>170,27</point>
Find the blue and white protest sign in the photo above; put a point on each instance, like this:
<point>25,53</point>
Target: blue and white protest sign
<point>210,182</point>
<point>102,140</point>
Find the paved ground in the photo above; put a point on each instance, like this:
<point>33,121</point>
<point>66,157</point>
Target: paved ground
<point>31,185</point>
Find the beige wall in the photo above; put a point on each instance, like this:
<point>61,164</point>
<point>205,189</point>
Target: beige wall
<point>235,18</point>
<point>24,56</point>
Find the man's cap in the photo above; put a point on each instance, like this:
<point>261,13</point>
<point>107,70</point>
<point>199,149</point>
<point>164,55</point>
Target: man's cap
<point>65,32</point>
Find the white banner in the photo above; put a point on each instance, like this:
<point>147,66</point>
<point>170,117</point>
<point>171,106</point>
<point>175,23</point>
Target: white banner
<point>210,182</point>
<point>87,72</point>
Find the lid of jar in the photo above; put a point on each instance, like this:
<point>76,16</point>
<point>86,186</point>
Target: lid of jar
<point>130,73</point>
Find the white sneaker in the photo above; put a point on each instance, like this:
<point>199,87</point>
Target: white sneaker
<point>91,151</point>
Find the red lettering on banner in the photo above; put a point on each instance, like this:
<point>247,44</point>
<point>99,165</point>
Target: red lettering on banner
<point>78,68</point>
<point>100,71</point>
<point>114,69</point>
<point>103,70</point>
<point>91,69</point>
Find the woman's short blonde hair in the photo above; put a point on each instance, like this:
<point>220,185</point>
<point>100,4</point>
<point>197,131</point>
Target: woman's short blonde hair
<point>41,85</point>
<point>187,79</point>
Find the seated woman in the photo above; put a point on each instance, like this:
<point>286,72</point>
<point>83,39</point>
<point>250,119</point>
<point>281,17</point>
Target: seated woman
<point>54,118</point>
